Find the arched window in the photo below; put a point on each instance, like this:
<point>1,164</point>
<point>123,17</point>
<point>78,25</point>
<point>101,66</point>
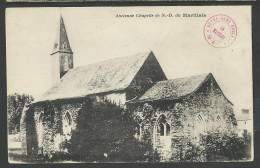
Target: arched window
<point>167,129</point>
<point>200,125</point>
<point>139,126</point>
<point>67,123</point>
<point>163,128</point>
<point>162,134</point>
<point>40,129</point>
<point>139,129</point>
<point>68,118</point>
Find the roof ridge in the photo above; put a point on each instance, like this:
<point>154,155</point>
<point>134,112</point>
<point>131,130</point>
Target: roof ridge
<point>191,76</point>
<point>206,74</point>
<point>204,80</point>
<point>100,77</point>
<point>173,89</point>
<point>141,54</point>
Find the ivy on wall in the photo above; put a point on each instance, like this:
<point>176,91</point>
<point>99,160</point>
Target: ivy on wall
<point>30,134</point>
<point>105,131</point>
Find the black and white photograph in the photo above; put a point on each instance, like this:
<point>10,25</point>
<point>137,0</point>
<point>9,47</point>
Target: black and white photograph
<point>129,84</point>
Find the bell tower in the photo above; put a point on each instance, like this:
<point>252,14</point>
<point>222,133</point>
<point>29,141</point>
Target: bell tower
<point>62,55</point>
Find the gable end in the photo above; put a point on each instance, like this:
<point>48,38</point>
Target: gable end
<point>149,73</point>
<point>208,85</point>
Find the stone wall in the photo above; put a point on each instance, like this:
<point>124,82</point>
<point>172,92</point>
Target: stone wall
<point>205,111</point>
<point>49,118</point>
<point>28,132</point>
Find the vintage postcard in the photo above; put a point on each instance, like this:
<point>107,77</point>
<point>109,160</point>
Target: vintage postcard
<point>129,84</point>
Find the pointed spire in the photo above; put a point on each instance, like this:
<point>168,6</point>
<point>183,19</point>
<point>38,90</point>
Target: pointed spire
<point>62,42</point>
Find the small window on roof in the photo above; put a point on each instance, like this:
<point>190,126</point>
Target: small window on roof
<point>218,118</point>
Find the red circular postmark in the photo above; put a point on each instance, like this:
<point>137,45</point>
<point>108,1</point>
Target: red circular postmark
<point>220,31</point>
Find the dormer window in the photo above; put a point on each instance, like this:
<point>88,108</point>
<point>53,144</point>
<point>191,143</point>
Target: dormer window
<point>218,119</point>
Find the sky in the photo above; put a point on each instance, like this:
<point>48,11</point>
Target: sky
<point>96,34</point>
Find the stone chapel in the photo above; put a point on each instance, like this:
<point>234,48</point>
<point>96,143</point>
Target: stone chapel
<point>181,108</point>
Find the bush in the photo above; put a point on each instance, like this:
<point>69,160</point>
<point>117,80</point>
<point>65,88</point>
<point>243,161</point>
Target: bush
<point>216,147</point>
<point>105,133</point>
<point>230,146</point>
<point>194,153</point>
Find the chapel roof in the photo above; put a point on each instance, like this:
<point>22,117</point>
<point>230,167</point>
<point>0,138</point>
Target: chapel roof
<point>106,76</point>
<point>174,88</point>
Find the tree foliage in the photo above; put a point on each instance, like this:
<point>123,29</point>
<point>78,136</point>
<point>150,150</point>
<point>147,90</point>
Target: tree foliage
<point>218,147</point>
<point>15,105</point>
<point>105,133</point>
<point>227,145</point>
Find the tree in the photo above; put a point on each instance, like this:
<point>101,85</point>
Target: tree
<point>227,145</point>
<point>105,132</point>
<point>15,105</point>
